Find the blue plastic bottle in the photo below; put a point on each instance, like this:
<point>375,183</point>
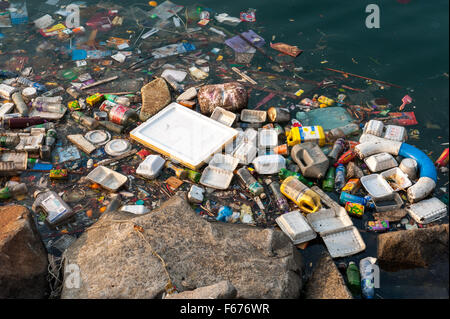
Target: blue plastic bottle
<point>339,180</point>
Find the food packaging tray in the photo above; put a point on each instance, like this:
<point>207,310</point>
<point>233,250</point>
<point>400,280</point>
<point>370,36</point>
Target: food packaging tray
<point>216,178</point>
<point>183,135</point>
<point>427,211</point>
<point>380,162</point>
<point>107,178</point>
<point>400,178</point>
<point>376,186</point>
<point>296,227</point>
<point>223,161</point>
<point>253,116</point>
<point>382,205</point>
<point>343,242</point>
<point>329,219</point>
<point>223,116</point>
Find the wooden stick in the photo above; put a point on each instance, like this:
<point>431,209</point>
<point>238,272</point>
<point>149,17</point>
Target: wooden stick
<point>100,82</point>
<point>363,77</point>
<point>243,75</point>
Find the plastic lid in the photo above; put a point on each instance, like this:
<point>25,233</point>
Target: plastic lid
<point>98,137</point>
<point>117,147</point>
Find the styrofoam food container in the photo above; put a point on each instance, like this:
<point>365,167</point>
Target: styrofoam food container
<point>195,194</point>
<point>296,227</point>
<point>329,219</point>
<point>268,138</point>
<point>399,176</point>
<point>269,164</point>
<point>374,127</point>
<point>427,211</point>
<point>343,242</point>
<point>381,206</point>
<point>380,162</point>
<point>216,178</point>
<point>223,116</point>
<point>107,178</point>
<point>151,166</point>
<point>395,133</point>
<point>183,135</point>
<point>98,137</point>
<point>409,167</point>
<point>245,152</point>
<point>225,162</point>
<point>376,186</point>
<point>253,116</point>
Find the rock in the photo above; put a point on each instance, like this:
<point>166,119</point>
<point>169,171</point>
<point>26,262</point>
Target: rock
<point>230,96</point>
<point>391,215</point>
<point>326,281</point>
<point>155,96</point>
<point>412,248</point>
<point>23,257</point>
<point>187,95</point>
<point>221,290</point>
<point>115,262</point>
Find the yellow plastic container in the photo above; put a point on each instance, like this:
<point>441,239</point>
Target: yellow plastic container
<point>306,199</point>
<point>324,100</point>
<point>304,134</point>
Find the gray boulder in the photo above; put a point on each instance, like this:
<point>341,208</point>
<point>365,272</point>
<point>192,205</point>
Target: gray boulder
<point>116,262</point>
<point>326,282</point>
<point>412,248</point>
<point>221,290</point>
<point>23,258</point>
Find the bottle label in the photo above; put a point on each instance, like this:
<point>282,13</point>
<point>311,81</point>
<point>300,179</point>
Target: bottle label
<point>54,208</point>
<point>117,114</point>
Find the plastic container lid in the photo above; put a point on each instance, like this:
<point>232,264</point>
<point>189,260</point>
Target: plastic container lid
<point>380,162</point>
<point>98,137</point>
<point>117,147</point>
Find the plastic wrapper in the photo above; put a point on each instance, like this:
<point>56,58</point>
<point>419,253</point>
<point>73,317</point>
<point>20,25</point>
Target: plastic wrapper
<point>230,96</point>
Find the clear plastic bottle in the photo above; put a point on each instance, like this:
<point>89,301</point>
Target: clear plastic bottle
<point>343,131</point>
<point>338,148</point>
<point>367,277</point>
<point>281,201</point>
<point>37,86</point>
<point>20,103</point>
<point>249,181</point>
<point>339,180</point>
<point>57,210</point>
<point>122,100</point>
<point>84,120</point>
<point>52,108</point>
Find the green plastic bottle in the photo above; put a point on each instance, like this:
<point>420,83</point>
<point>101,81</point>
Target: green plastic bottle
<point>354,279</point>
<point>285,173</point>
<point>193,175</point>
<point>328,182</point>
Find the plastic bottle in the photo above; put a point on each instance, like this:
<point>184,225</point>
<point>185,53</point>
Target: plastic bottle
<point>249,181</point>
<point>114,204</point>
<point>193,175</point>
<point>122,100</point>
<point>52,108</point>
<point>13,190</point>
<point>346,197</point>
<point>285,173</point>
<point>22,122</point>
<point>40,100</point>
<point>328,182</point>
<point>346,157</point>
<point>179,172</point>
<point>119,114</point>
<point>343,131</point>
<point>84,120</point>
<point>281,201</point>
<point>37,86</point>
<point>339,180</point>
<point>367,277</point>
<point>338,148</point>
<point>306,199</point>
<point>50,137</point>
<point>353,278</point>
<point>9,141</point>
<point>57,210</point>
<point>20,103</point>
<point>110,126</point>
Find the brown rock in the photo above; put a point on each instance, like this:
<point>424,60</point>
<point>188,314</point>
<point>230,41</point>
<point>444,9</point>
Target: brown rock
<point>391,216</point>
<point>115,262</point>
<point>155,96</point>
<point>230,96</point>
<point>412,248</point>
<point>221,290</point>
<point>23,258</point>
<point>326,281</point>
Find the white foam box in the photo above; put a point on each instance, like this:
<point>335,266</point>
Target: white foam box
<point>296,227</point>
<point>427,211</point>
<point>183,135</point>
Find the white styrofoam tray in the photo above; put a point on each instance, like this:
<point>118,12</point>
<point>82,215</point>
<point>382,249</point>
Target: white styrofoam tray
<point>216,178</point>
<point>343,242</point>
<point>380,162</point>
<point>401,179</point>
<point>296,227</point>
<point>223,161</point>
<point>329,219</point>
<point>107,178</point>
<point>427,211</point>
<point>376,186</point>
<point>223,116</point>
<point>184,135</point>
